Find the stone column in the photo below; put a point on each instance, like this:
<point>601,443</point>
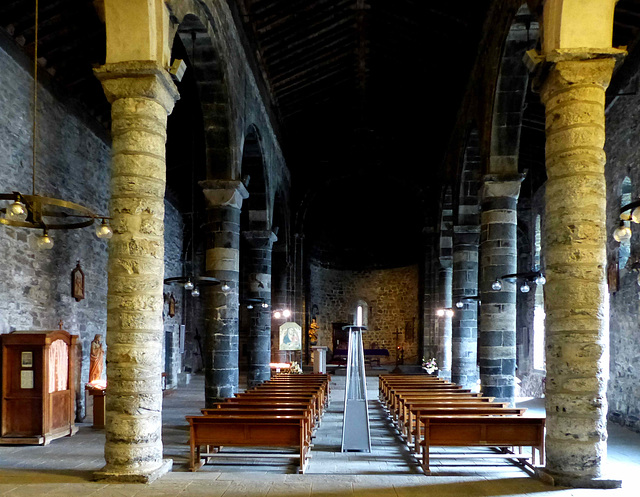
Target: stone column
<point>576,300</point>
<point>222,231</point>
<point>443,357</point>
<point>498,256</point>
<point>258,281</point>
<point>429,295</point>
<point>464,336</point>
<point>142,95</point>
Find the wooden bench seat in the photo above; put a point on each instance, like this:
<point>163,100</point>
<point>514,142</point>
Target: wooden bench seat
<point>248,430</point>
<point>483,431</point>
<point>415,427</point>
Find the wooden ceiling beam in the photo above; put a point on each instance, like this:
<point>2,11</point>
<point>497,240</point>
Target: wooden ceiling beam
<point>313,75</point>
<point>310,63</point>
<point>308,50</point>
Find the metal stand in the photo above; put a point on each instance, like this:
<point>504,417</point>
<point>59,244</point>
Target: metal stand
<point>355,426</point>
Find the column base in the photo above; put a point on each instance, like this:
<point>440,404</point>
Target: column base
<point>576,482</point>
<point>113,477</point>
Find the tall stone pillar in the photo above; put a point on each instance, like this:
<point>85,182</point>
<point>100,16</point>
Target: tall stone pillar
<point>429,295</point>
<point>258,281</point>
<point>141,95</point>
<point>443,358</point>
<point>498,257</point>
<point>576,301</point>
<point>464,336</point>
<point>224,201</point>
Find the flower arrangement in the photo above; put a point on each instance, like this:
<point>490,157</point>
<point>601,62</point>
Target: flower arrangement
<point>295,368</point>
<point>429,366</point>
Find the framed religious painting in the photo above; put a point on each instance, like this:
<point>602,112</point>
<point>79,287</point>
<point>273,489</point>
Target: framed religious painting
<point>77,283</point>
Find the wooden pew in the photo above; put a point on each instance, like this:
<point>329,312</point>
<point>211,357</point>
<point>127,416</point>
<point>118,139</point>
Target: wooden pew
<point>415,427</point>
<point>483,431</point>
<point>248,430</point>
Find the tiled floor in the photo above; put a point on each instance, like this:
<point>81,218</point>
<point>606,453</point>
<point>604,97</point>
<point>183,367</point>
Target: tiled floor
<point>65,466</point>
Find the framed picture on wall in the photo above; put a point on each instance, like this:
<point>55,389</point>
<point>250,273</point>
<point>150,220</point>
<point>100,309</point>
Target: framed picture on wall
<point>77,283</point>
<point>613,276</point>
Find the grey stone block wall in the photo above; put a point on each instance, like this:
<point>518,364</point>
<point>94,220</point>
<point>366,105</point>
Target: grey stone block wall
<point>623,158</point>
<point>392,296</point>
<point>73,164</point>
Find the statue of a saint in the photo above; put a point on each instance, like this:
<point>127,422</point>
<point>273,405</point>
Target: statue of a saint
<point>97,359</point>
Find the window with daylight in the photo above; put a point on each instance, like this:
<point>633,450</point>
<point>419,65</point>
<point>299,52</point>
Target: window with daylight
<point>624,251</point>
<point>538,310</point>
<point>361,317</point>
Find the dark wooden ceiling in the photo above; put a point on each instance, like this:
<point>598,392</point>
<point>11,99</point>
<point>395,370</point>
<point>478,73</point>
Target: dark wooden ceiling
<point>71,41</point>
<point>361,88</point>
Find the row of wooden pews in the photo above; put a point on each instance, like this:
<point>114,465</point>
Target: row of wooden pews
<point>431,412</point>
<point>281,413</point>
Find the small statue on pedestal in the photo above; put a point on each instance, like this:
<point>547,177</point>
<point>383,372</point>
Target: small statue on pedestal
<point>97,359</point>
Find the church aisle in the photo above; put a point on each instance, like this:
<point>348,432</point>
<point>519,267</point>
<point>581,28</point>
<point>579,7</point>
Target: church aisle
<point>64,467</point>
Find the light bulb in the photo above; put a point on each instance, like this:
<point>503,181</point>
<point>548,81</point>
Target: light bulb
<point>448,313</point>
<point>496,285</point>
<point>440,313</point>
<point>225,287</point>
<point>104,231</point>
<point>249,306</point>
<point>622,233</point>
<point>188,285</point>
<point>460,304</point>
<point>286,313</point>
<point>277,314</point>
<point>195,292</point>
<point>635,215</point>
<point>16,211</point>
<point>541,280</point>
<point>44,242</point>
<point>265,305</point>
<point>525,287</point>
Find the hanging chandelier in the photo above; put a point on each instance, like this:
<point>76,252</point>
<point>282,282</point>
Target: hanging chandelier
<point>46,213</point>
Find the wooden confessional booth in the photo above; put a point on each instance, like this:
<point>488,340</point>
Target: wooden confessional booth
<point>38,386</point>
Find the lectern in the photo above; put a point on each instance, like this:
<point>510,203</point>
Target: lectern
<point>38,394</point>
<point>355,427</point>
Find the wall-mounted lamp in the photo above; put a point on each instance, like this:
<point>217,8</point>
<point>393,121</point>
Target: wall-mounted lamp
<point>467,300</point>
<point>192,283</point>
<point>629,212</point>
<point>444,313</point>
<point>529,277</point>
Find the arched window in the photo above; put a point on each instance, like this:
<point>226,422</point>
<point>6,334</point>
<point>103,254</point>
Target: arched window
<point>624,251</point>
<point>538,309</point>
<point>361,313</point>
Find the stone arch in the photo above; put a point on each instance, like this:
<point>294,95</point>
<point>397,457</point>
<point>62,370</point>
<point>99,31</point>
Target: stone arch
<point>257,212</point>
<point>510,92</point>
<point>214,96</point>
<point>625,195</point>
<point>470,179</point>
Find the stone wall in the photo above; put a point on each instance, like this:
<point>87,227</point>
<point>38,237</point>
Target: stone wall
<point>173,266</point>
<point>73,164</point>
<point>392,297</point>
<point>623,159</point>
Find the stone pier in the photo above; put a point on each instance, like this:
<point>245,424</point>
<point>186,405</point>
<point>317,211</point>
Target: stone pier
<point>498,257</point>
<point>464,335</point>
<point>142,95</point>
<point>443,357</point>
<point>576,298</point>
<point>224,201</point>
<point>258,284</point>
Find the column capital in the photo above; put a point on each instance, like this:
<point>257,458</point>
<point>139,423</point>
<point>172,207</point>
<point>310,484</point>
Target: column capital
<point>224,193</point>
<point>571,66</point>
<point>260,238</point>
<point>135,79</point>
<point>501,186</point>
